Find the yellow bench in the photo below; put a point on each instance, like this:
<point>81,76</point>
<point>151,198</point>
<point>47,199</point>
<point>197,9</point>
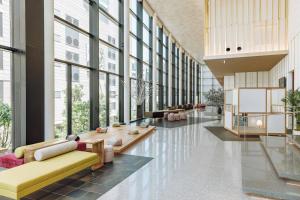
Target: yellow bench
<point>23,180</point>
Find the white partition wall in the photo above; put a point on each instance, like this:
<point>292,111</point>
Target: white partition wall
<point>252,100</point>
<point>228,112</point>
<point>255,111</point>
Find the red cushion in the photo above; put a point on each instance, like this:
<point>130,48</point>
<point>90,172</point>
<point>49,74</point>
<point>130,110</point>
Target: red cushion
<point>81,146</point>
<point>10,161</point>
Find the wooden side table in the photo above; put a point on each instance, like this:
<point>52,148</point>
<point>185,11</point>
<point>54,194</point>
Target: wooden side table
<point>97,147</point>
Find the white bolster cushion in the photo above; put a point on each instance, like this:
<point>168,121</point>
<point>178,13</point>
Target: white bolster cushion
<point>55,150</point>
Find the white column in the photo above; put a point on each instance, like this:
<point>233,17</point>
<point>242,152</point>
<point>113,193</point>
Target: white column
<point>170,71</point>
<point>49,69</point>
<point>154,63</point>
<point>126,63</point>
<point>180,76</point>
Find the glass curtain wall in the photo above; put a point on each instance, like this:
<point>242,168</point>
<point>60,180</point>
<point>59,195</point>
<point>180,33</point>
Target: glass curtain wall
<point>78,71</point>
<point>133,41</point>
<point>159,69</point>
<point>186,65</point>
<point>198,83</point>
<point>165,70</point>
<point>147,59</point>
<point>183,78</point>
<point>175,75</point>
<point>140,58</point>
<point>7,66</point>
<point>177,81</point>
<point>208,82</point>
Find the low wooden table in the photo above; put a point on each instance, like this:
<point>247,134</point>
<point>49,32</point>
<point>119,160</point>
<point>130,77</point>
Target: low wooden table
<point>97,146</point>
<point>119,132</point>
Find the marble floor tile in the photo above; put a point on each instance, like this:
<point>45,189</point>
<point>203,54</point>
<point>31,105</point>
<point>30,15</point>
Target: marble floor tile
<point>285,157</point>
<point>190,163</point>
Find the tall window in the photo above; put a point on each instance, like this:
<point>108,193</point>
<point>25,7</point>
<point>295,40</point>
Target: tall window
<point>147,58</point>
<point>135,51</point>
<point>175,75</point>
<point>140,57</point>
<point>165,69</point>
<point>161,68</point>
<point>6,75</point>
<point>109,56</point>
<point>208,81</point>
<point>77,71</point>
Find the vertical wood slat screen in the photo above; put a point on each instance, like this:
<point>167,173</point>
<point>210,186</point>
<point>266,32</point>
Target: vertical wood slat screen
<point>253,25</point>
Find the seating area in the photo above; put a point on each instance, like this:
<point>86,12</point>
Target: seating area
<point>121,138</point>
<point>27,178</point>
<point>51,161</point>
<point>149,99</point>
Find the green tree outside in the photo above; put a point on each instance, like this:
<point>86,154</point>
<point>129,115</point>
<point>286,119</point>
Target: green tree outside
<point>5,125</point>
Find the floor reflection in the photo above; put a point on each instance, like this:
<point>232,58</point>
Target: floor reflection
<point>189,163</point>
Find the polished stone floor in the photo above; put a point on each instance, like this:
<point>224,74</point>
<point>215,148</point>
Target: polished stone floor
<point>190,163</point>
<point>285,157</point>
<point>259,176</point>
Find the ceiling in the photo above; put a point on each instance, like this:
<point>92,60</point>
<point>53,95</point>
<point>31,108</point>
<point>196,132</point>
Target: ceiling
<point>185,20</point>
<point>246,62</point>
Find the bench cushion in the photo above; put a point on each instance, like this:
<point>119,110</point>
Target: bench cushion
<point>34,173</point>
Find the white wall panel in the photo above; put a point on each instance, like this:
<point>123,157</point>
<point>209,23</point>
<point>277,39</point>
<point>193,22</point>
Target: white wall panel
<point>276,123</point>
<point>262,79</point>
<point>252,100</point>
<point>254,25</point>
<point>228,82</point>
<point>251,79</point>
<point>291,61</point>
<point>240,80</point>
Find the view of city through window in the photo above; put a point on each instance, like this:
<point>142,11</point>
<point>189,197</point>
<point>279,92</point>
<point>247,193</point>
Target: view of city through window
<point>73,66</point>
<point>5,75</point>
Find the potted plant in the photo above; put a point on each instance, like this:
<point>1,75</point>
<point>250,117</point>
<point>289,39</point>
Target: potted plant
<point>292,101</point>
<point>215,98</point>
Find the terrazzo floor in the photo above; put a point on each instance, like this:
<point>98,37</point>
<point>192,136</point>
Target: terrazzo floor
<point>190,163</point>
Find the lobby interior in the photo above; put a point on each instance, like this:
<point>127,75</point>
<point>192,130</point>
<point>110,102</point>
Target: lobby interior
<point>149,99</point>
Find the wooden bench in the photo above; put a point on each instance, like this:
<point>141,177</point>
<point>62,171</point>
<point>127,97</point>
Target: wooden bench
<point>119,132</point>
